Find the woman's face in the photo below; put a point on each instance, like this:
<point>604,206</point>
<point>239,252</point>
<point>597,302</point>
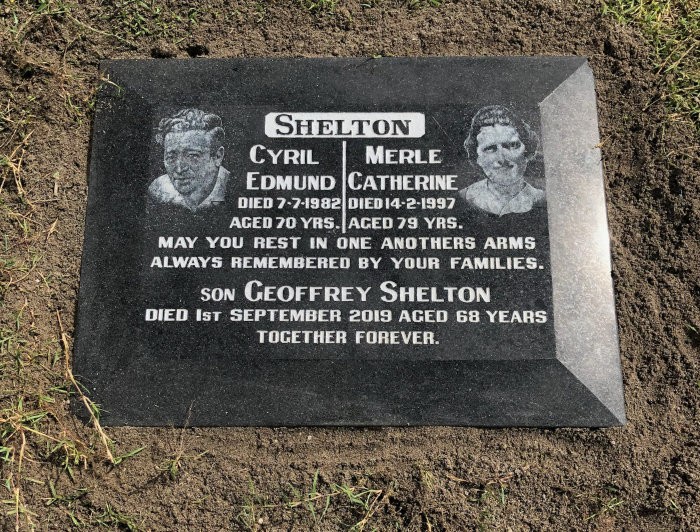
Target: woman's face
<point>501,154</point>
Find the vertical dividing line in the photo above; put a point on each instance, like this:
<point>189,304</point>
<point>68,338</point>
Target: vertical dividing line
<point>345,184</point>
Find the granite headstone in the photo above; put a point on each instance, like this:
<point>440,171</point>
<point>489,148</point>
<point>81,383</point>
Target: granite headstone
<point>348,242</point>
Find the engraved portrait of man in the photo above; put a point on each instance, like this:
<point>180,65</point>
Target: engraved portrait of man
<point>193,151</point>
<point>501,145</point>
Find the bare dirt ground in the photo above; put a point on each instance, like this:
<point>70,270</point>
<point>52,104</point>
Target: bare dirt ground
<point>55,470</point>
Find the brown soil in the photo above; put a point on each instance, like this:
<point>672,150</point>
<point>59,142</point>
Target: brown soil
<point>644,476</point>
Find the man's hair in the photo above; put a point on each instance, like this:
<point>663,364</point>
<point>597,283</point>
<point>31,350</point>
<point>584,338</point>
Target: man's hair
<point>192,120</point>
<point>497,114</point>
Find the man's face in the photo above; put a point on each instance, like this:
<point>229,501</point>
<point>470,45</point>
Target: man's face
<point>191,166</point>
<point>501,154</point>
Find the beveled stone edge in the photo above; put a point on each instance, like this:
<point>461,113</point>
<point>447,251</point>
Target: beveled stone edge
<point>584,305</point>
<point>531,394</point>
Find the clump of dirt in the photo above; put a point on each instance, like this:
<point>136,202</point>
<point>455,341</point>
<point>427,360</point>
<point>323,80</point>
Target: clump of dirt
<point>643,476</point>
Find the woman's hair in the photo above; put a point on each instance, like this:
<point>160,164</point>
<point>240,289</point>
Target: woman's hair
<point>497,114</point>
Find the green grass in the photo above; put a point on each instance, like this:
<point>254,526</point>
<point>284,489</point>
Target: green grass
<point>411,4</point>
<point>178,459</point>
<point>673,29</point>
<point>490,501</point>
<point>318,501</point>
<point>320,6</point>
<point>606,507</point>
<point>137,18</point>
<point>420,4</point>
<point>329,6</point>
<point>128,20</point>
<point>111,517</point>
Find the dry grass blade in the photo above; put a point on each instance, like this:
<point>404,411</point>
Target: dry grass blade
<point>89,405</point>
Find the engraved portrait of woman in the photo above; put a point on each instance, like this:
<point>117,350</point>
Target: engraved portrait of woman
<point>501,145</point>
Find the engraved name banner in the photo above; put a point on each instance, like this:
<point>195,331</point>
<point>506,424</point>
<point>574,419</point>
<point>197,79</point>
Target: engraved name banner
<point>345,125</point>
